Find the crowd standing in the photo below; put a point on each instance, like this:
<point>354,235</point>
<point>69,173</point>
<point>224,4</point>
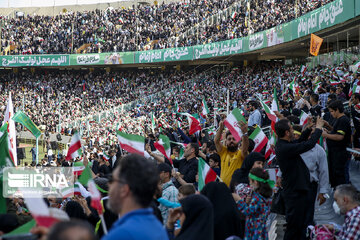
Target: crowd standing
<point>146,27</point>
<point>161,196</point>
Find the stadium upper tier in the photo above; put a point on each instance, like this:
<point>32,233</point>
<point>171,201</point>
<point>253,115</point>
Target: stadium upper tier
<point>146,27</point>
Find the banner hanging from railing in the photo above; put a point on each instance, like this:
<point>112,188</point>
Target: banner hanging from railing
<point>35,60</point>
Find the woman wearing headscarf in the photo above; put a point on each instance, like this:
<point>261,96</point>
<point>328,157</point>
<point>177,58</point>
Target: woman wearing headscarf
<point>226,217</point>
<point>196,217</point>
<point>241,175</point>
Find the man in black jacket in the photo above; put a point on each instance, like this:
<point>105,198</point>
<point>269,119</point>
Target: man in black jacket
<point>295,175</point>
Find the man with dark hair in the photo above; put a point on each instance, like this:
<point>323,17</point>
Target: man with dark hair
<point>169,191</point>
<point>347,202</point>
<point>187,167</point>
<point>338,140</point>
<point>354,104</point>
<point>315,107</point>
<point>295,175</point>
<point>74,229</point>
<point>231,156</point>
<point>131,191</point>
<point>255,115</point>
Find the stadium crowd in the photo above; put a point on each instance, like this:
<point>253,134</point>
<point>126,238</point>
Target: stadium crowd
<point>160,198</point>
<point>146,27</point>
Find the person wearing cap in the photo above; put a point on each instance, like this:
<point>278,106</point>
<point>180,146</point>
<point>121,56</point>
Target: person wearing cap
<point>169,191</point>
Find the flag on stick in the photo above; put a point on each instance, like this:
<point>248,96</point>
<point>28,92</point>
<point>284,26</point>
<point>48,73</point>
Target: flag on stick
<point>231,122</point>
<point>206,174</point>
<point>75,147</point>
<point>259,138</point>
<point>131,143</point>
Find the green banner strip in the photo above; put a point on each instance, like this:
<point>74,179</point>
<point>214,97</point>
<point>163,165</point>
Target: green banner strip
<point>21,117</point>
<point>329,15</point>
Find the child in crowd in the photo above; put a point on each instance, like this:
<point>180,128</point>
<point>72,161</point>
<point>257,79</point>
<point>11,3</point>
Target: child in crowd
<point>256,206</point>
<point>186,190</point>
<point>214,163</point>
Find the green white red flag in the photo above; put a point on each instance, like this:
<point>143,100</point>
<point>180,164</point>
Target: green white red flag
<point>205,109</point>
<point>355,88</point>
<point>270,114</point>
<point>194,124</point>
<point>303,69</point>
<point>5,161</point>
<point>132,143</point>
<point>9,113</point>
<point>74,148</point>
<point>269,150</point>
<point>316,88</point>
<point>303,118</point>
<point>163,145</point>
<point>232,123</point>
<point>211,131</point>
<point>259,138</point>
<point>206,174</point>
<point>275,102</point>
<point>106,157</point>
<point>78,168</point>
<point>334,82</point>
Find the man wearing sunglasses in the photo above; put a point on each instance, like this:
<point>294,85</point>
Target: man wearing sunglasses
<point>131,190</point>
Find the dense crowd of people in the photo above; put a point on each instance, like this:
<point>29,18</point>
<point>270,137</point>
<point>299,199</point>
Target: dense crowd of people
<point>146,27</point>
<point>157,193</point>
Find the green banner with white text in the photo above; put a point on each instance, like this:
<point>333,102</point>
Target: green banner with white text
<point>164,55</point>
<point>35,60</point>
<point>102,58</point>
<point>329,15</point>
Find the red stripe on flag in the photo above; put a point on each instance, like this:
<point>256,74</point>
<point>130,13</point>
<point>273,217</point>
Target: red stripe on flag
<point>261,145</point>
<point>131,150</point>
<point>210,176</point>
<point>73,148</point>
<point>233,131</point>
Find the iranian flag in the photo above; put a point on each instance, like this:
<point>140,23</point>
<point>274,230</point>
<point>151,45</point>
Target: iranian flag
<point>5,161</point>
<point>39,210</point>
<point>355,88</point>
<point>303,118</point>
<point>106,157</point>
<point>303,69</point>
<point>270,114</point>
<point>193,123</point>
<point>153,123</point>
<point>212,131</point>
<point>205,109</point>
<point>206,174</point>
<point>294,87</point>
<point>78,168</point>
<point>86,180</point>
<point>233,15</point>
<point>316,88</point>
<point>231,122</point>
<point>322,143</point>
<point>74,148</point>
<point>259,138</point>
<point>275,102</point>
<point>131,143</point>
<point>163,145</point>
<point>334,82</point>
<point>9,113</point>
<point>121,21</point>
<point>70,191</point>
<point>269,150</point>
